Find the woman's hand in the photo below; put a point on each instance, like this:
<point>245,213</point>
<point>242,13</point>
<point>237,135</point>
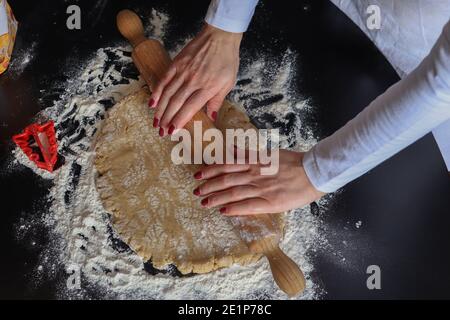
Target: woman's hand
<point>203,73</point>
<point>241,189</point>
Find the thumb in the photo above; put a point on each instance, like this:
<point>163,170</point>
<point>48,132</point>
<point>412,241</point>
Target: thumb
<point>213,106</point>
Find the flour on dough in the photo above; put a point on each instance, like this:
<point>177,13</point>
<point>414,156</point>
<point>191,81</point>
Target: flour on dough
<point>150,199</point>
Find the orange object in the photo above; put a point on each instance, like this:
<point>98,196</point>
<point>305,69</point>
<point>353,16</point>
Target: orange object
<point>8,30</point>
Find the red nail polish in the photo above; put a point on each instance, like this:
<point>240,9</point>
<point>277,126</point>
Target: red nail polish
<point>214,115</point>
<point>204,202</point>
<point>197,191</point>
<point>151,102</point>
<point>161,132</point>
<point>198,175</point>
<point>223,210</point>
<point>171,129</point>
<point>155,122</point>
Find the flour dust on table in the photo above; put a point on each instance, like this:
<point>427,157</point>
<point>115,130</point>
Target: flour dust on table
<point>21,59</point>
<point>82,241</point>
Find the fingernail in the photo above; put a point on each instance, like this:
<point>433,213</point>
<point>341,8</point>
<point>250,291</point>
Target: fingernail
<point>151,102</point>
<point>223,210</point>
<point>161,132</point>
<point>198,175</point>
<point>204,202</point>
<point>171,129</point>
<point>197,191</point>
<point>214,115</point>
<point>155,122</point>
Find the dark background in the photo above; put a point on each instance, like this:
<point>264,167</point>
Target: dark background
<point>404,204</point>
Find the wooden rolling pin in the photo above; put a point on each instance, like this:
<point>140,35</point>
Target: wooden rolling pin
<point>258,231</point>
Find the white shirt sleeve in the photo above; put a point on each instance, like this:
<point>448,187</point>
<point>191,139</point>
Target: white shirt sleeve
<point>404,113</point>
<point>231,15</point>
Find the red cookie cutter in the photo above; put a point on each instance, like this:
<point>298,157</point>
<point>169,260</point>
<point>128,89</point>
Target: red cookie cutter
<point>43,137</point>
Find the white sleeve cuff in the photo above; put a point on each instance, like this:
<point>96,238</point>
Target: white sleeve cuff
<point>313,173</point>
<point>231,15</point>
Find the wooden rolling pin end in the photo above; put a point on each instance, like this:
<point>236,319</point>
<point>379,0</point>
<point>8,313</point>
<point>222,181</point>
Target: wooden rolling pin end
<point>130,26</point>
<point>286,273</point>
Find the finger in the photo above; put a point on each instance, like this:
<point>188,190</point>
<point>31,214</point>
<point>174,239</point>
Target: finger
<point>176,102</point>
<point>214,104</point>
<point>167,94</point>
<point>192,105</point>
<point>230,195</point>
<point>162,83</point>
<point>223,182</point>
<point>246,207</point>
<point>215,170</point>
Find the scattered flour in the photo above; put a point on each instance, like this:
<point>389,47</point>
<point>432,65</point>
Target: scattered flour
<point>22,158</point>
<point>157,24</point>
<point>81,234</point>
<point>22,58</point>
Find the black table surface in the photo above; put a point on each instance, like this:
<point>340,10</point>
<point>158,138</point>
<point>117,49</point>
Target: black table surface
<point>404,204</point>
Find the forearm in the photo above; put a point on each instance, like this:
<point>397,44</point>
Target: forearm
<point>406,112</point>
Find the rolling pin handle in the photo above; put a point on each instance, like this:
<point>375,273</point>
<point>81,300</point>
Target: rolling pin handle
<point>130,26</point>
<point>286,273</point>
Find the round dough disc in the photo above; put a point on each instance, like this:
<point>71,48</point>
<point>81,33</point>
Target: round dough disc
<point>150,199</point>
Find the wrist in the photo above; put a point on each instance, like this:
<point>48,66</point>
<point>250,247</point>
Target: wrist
<point>226,36</point>
<point>311,185</point>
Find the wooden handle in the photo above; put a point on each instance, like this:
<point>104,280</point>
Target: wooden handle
<point>130,26</point>
<point>285,271</point>
<point>264,239</point>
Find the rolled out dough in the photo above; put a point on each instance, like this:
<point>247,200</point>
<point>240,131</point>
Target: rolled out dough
<point>150,199</point>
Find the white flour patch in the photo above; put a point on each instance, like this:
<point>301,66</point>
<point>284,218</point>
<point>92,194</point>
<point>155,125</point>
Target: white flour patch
<point>81,234</point>
<point>22,58</point>
<point>266,88</point>
<point>21,158</point>
<point>157,24</point>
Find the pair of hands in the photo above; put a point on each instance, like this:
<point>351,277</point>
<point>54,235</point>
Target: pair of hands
<point>202,74</point>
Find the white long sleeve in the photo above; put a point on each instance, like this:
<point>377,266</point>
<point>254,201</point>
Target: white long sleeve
<point>231,15</point>
<point>408,31</point>
<point>404,113</point>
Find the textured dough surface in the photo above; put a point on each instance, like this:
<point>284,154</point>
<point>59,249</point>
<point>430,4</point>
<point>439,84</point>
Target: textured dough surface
<point>150,199</point>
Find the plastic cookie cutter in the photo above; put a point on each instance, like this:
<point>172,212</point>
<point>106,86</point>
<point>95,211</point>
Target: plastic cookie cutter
<point>39,143</point>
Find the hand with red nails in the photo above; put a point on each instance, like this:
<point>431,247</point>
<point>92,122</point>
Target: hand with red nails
<point>241,189</point>
<point>202,74</point>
